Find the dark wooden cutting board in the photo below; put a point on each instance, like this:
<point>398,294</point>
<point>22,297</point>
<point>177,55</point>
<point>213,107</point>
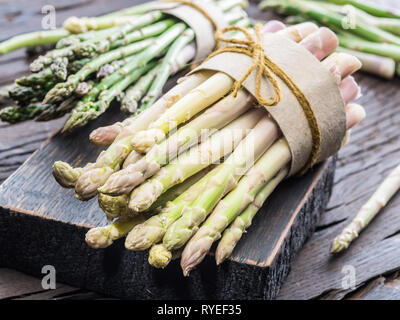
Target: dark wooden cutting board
<point>43,224</point>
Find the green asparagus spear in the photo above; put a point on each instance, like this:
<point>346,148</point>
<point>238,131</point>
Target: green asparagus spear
<point>138,90</point>
<point>227,210</point>
<point>32,39</point>
<point>315,11</point>
<point>19,114</point>
<point>225,180</point>
<point>92,110</point>
<point>234,232</point>
<point>118,38</point>
<point>386,190</point>
<point>167,67</point>
<point>371,7</point>
<point>114,156</point>
<point>195,159</point>
<point>154,47</point>
<point>350,41</point>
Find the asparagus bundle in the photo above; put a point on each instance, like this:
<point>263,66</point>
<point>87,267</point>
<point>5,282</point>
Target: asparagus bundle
<point>371,32</point>
<point>93,57</point>
<point>147,159</point>
<point>378,200</point>
<point>191,91</point>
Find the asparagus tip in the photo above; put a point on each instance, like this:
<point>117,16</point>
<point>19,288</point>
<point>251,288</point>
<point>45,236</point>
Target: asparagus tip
<point>342,241</point>
<point>98,238</point>
<point>159,256</point>
<point>144,140</point>
<point>64,174</point>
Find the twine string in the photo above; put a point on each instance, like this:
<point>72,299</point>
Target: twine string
<point>254,48</point>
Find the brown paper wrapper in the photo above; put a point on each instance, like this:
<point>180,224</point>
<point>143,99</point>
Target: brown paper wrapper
<point>201,25</point>
<point>316,83</point>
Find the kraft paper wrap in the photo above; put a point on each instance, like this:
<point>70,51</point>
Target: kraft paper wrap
<point>316,83</point>
<point>201,25</point>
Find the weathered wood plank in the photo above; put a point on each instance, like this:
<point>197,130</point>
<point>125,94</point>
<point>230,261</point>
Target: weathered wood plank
<point>14,284</point>
<point>380,288</point>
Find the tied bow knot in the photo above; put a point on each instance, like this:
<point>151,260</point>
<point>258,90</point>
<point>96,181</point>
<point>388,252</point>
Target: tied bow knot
<point>252,47</point>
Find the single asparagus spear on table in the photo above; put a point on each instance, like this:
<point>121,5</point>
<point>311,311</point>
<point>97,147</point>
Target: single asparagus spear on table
<point>374,205</point>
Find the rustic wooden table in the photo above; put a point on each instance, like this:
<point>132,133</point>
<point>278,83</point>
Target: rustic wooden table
<point>374,258</point>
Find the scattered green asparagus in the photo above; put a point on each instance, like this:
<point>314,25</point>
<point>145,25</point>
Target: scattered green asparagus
<point>19,114</point>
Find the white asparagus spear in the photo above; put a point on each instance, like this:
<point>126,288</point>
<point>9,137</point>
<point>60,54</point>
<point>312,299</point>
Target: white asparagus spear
<point>368,211</point>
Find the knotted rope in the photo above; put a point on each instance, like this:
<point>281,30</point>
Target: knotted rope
<point>253,47</point>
